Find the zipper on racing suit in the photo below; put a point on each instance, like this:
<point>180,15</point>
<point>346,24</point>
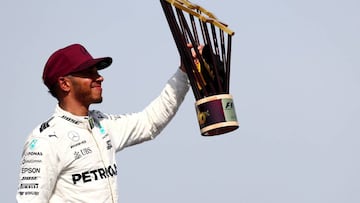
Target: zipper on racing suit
<point>91,128</point>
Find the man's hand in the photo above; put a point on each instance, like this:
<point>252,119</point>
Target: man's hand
<point>196,60</point>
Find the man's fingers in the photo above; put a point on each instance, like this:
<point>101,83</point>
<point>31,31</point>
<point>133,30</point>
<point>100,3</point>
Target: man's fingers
<point>200,48</point>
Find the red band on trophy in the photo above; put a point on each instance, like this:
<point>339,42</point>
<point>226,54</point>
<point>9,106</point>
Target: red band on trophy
<point>216,115</point>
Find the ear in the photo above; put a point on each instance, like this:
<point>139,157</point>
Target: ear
<point>64,84</point>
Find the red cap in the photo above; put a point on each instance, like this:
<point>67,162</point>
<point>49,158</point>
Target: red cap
<point>68,60</point>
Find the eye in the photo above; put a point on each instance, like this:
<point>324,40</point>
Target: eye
<point>88,73</point>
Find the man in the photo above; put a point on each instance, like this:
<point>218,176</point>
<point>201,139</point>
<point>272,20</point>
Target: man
<point>71,156</point>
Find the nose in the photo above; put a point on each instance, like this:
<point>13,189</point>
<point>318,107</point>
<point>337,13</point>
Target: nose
<point>99,78</point>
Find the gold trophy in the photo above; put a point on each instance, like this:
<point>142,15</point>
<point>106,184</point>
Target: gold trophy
<point>210,75</point>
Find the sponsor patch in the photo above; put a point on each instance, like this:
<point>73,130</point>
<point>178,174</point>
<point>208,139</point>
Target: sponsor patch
<point>30,170</point>
<point>32,144</point>
<point>24,161</point>
<point>70,119</point>
<point>82,152</point>
<point>29,177</point>
<point>29,185</point>
<point>94,175</point>
<point>45,125</point>
<point>74,136</point>
<point>78,144</point>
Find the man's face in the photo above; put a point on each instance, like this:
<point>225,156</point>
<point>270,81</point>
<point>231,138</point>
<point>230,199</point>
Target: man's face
<point>86,86</point>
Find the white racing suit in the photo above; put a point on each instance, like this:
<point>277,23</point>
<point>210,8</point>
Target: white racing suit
<point>71,159</point>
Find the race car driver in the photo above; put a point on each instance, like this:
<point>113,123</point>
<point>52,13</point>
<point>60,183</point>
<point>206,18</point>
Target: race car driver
<point>70,158</point>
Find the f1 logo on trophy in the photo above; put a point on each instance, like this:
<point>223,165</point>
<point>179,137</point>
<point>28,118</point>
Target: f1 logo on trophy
<point>210,75</point>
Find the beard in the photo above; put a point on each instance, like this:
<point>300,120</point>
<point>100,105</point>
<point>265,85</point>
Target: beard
<point>87,95</point>
<point>98,101</point>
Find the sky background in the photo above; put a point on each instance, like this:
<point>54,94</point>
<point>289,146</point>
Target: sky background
<point>294,78</point>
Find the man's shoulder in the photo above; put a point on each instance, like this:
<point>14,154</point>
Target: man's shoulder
<point>43,132</point>
<point>47,128</point>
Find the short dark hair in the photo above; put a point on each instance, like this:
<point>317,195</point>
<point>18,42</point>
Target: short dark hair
<point>54,90</point>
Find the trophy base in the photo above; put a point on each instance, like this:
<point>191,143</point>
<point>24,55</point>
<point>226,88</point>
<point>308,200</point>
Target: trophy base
<point>216,115</point>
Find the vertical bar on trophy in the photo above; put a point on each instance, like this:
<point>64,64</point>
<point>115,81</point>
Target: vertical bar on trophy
<point>228,64</point>
<point>216,59</point>
<point>182,25</point>
<point>203,32</point>
<point>193,24</point>
<point>216,46</point>
<point>224,60</point>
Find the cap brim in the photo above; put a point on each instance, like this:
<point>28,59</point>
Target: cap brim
<point>99,63</point>
<point>103,62</point>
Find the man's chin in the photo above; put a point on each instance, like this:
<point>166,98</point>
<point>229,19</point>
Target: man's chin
<point>98,101</point>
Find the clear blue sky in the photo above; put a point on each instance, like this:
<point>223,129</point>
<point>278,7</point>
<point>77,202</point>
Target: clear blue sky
<point>295,82</point>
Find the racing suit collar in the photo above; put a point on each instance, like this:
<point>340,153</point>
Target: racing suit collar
<point>81,121</point>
